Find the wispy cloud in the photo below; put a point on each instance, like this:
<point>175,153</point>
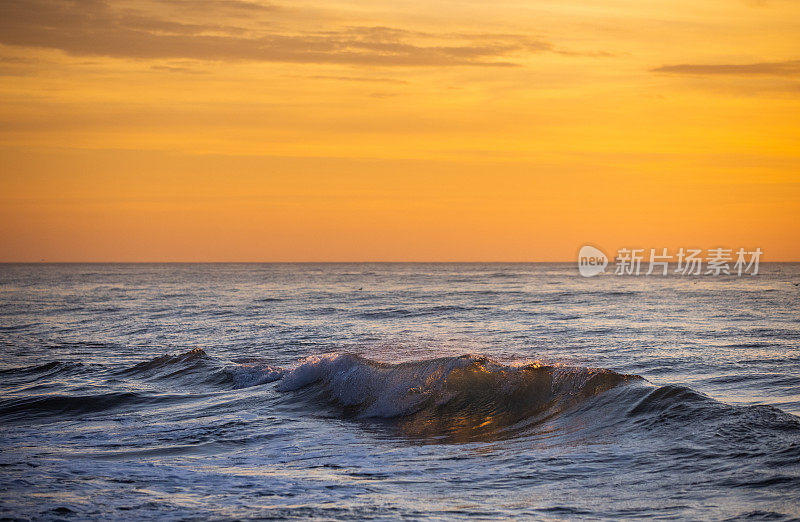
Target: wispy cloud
<point>233,6</point>
<point>356,79</point>
<point>786,68</point>
<point>96,28</point>
<point>175,69</point>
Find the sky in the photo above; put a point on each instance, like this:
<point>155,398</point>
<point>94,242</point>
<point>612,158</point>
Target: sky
<point>242,130</point>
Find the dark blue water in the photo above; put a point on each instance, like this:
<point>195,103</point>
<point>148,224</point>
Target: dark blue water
<point>397,390</point>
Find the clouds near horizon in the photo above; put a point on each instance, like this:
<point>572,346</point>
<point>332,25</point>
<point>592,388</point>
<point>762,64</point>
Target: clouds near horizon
<point>95,28</point>
<point>790,68</point>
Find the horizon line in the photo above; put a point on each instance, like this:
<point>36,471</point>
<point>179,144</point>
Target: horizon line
<point>644,262</point>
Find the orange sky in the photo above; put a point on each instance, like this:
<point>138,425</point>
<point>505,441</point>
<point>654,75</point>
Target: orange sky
<point>233,130</point>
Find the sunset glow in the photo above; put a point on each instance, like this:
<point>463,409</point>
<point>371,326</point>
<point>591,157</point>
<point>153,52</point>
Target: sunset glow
<point>235,130</point>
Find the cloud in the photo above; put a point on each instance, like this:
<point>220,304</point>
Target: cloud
<point>356,79</point>
<point>175,69</point>
<point>788,68</point>
<point>95,28</point>
<point>223,5</point>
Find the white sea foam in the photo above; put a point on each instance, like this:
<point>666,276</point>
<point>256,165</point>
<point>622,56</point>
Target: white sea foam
<point>247,375</point>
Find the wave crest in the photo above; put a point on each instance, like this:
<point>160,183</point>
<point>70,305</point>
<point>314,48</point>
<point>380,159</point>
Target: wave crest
<point>167,360</point>
<point>469,397</point>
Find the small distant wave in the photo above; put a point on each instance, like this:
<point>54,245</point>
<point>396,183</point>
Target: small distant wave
<point>52,367</point>
<point>16,327</point>
<point>69,405</point>
<point>386,313</point>
<point>402,313</point>
<point>269,300</point>
<point>166,361</point>
<point>671,403</point>
<point>197,367</point>
<point>45,377</point>
<point>748,345</point>
<point>505,275</point>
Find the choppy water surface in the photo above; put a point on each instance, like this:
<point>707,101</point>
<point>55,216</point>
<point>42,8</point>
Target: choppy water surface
<point>408,390</point>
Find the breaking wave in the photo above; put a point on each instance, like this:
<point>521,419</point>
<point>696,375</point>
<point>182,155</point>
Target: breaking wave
<point>448,399</point>
<point>474,398</point>
<point>375,389</point>
<point>469,397</point>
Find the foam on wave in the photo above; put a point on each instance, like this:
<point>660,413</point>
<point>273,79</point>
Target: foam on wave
<point>247,375</point>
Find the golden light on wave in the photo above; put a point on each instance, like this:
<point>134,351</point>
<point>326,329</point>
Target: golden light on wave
<point>485,402</point>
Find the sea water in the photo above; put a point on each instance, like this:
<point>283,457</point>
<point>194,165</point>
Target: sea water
<point>443,391</point>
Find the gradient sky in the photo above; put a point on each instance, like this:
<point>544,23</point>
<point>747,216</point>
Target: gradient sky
<point>233,130</point>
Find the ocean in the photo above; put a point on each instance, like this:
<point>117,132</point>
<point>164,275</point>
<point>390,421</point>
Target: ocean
<point>397,391</point>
